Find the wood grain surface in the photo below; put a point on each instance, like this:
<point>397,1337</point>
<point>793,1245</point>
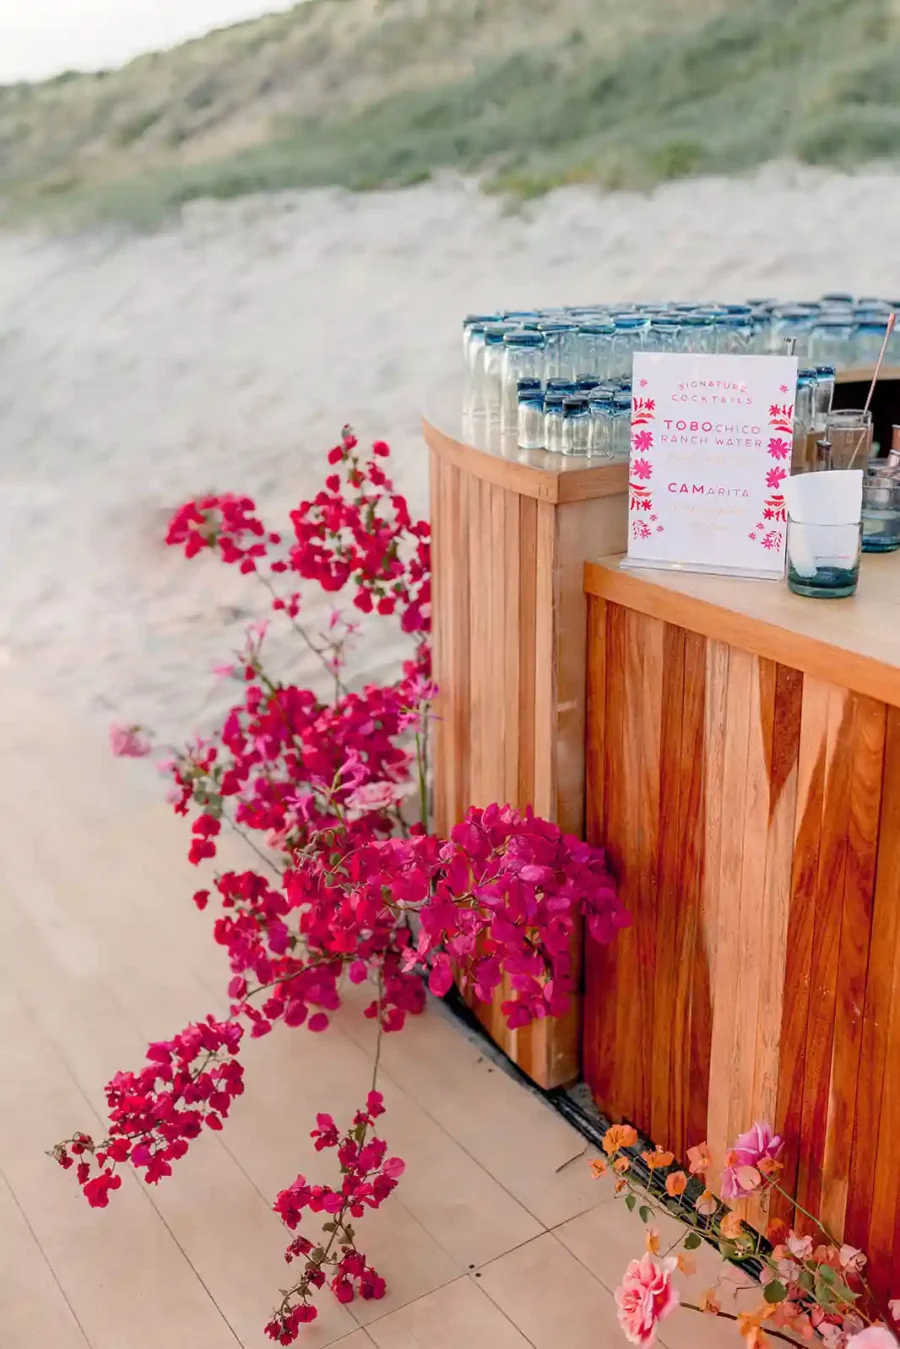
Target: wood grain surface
<point>752,816</point>
<point>510,634</point>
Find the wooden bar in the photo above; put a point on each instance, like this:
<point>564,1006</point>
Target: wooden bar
<point>512,531</point>
<point>760,856</point>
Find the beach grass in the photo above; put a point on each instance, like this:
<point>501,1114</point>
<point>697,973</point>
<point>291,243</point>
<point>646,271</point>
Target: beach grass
<point>527,94</point>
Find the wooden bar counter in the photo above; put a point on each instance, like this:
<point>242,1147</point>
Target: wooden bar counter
<point>511,532</point>
<point>743,769</point>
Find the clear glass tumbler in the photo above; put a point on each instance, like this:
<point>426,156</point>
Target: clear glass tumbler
<point>530,430</point>
<point>803,456</point>
<point>850,433</point>
<point>733,334</point>
<point>830,340</point>
<point>560,350</point>
<point>576,425</point>
<point>600,406</point>
<point>881,510</point>
<point>553,420</point>
<point>823,560</point>
<point>523,358</point>
<point>628,338</point>
<point>595,339</point>
<point>824,395</point>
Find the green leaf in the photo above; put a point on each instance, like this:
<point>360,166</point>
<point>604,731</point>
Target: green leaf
<point>329,1227</point>
<point>644,1213</point>
<point>775,1291</point>
<point>826,1274</point>
<point>728,1250</point>
<point>842,1291</point>
<point>630,1201</point>
<point>692,1241</point>
<point>806,1281</point>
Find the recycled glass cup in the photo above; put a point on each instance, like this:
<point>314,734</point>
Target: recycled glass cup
<point>850,433</point>
<point>560,349</point>
<point>523,358</point>
<point>830,340</point>
<point>530,427</point>
<point>881,510</point>
<point>823,560</point>
<point>553,420</point>
<point>600,405</point>
<point>628,338</point>
<point>576,425</point>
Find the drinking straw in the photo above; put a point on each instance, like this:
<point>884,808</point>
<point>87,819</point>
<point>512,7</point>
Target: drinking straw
<point>887,333</point>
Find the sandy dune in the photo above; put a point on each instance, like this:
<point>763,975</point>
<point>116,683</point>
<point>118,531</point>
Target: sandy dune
<point>225,352</point>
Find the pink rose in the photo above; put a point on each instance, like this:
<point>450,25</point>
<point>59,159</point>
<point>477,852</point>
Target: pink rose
<point>645,1296</point>
<point>873,1337</point>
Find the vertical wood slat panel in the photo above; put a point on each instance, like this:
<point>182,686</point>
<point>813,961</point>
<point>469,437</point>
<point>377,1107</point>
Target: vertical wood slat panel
<point>727,1069</point>
<point>603,987</point>
<point>668,1029</point>
<point>829,892</point>
<point>874,1188</point>
<point>784,702</point>
<point>863,814</point>
<point>443,621</point>
<point>801,926</point>
<point>691,1087</point>
<point>527,610</point>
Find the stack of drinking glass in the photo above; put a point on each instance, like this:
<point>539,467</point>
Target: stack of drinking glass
<point>560,379</point>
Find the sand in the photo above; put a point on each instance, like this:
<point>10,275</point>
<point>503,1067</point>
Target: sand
<point>225,351</point>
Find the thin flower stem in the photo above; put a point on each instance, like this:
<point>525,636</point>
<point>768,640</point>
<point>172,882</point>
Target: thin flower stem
<point>730,1316</point>
<point>302,633</point>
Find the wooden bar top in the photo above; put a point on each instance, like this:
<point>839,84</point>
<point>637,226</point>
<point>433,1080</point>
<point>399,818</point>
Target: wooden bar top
<point>478,448</point>
<point>853,642</point>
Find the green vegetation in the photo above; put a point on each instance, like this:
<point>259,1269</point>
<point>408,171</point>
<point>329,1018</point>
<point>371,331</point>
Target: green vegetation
<point>528,93</point>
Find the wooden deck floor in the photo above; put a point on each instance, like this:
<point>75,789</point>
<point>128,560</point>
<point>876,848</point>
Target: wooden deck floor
<point>487,1244</point>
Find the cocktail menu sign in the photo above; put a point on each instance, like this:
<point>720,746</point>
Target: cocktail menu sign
<point>711,444</point>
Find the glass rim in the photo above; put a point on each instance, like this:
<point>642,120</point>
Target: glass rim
<point>859,414</point>
<point>823,524</point>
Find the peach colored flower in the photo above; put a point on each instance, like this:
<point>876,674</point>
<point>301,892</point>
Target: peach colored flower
<point>750,1326</point>
<point>598,1166</point>
<point>769,1167</point>
<point>658,1158</point>
<point>618,1136</point>
<point>851,1258</point>
<point>699,1159</point>
<point>709,1303</point>
<point>645,1297</point>
<point>777,1231</point>
<point>686,1263</point>
<point>676,1184</point>
<point>651,1241</point>
<point>620,1186</point>
<point>801,1248</point>
<point>621,1164</point>
<point>707,1204</point>
<point>731,1226</point>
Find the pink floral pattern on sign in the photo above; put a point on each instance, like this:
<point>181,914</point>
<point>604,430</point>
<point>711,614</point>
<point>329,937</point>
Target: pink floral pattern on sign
<point>643,411</point>
<point>780,447</point>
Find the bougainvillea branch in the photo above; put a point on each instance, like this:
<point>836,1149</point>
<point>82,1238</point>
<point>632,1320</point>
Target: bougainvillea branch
<point>350,887</point>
